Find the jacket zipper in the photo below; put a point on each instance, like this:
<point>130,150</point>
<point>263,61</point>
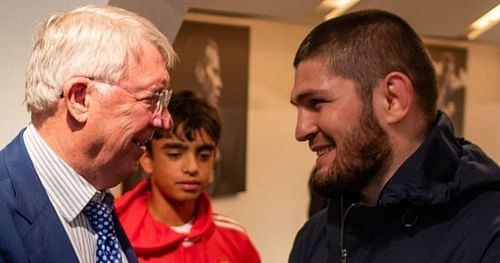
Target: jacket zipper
<point>343,250</point>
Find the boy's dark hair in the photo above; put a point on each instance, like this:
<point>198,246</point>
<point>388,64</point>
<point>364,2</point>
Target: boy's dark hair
<point>190,114</point>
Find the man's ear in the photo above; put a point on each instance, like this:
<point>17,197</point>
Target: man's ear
<point>146,163</point>
<point>395,92</point>
<point>75,92</point>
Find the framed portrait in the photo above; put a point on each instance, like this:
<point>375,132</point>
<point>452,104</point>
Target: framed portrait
<point>213,62</point>
<point>451,69</point>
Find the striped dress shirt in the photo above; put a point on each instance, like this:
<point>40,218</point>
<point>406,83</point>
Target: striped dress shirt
<point>68,192</point>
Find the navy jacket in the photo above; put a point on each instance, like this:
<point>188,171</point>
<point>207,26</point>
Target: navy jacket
<point>30,230</point>
<point>442,205</point>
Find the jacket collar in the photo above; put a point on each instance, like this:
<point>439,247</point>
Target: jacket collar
<point>34,207</point>
<point>439,170</point>
<point>30,195</point>
<point>33,204</point>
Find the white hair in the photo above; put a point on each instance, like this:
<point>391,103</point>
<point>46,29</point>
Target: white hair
<point>90,41</point>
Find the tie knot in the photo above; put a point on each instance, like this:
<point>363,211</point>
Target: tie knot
<point>99,216</point>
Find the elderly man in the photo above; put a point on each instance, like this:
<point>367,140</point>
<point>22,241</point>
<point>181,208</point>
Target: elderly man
<point>97,86</point>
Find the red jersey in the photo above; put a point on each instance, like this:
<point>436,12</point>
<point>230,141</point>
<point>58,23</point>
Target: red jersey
<point>212,239</point>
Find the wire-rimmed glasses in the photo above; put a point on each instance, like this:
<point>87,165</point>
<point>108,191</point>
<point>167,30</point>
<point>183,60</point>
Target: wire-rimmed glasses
<point>159,99</point>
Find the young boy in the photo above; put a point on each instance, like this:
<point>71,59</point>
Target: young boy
<point>168,216</point>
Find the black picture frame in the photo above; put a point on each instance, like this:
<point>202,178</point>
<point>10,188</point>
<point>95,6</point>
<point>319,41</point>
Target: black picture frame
<point>233,48</point>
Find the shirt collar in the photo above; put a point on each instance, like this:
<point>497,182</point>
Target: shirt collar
<point>68,191</point>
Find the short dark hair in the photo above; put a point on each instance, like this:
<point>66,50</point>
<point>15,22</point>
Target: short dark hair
<point>190,114</point>
<point>367,45</point>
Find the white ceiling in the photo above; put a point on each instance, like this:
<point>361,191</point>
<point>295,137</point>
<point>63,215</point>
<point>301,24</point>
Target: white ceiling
<point>437,18</point>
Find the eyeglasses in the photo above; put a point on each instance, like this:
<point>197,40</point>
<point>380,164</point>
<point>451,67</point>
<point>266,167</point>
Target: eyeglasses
<point>159,100</point>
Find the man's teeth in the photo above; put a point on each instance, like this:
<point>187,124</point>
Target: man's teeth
<point>141,143</point>
<point>324,150</point>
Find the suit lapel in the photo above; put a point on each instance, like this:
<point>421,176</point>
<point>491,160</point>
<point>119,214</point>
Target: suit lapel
<point>43,235</point>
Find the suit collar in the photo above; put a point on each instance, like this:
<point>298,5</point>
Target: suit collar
<point>30,195</point>
<point>44,236</point>
<point>38,224</point>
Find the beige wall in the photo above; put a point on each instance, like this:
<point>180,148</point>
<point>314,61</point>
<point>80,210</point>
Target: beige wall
<point>275,203</point>
<point>482,114</point>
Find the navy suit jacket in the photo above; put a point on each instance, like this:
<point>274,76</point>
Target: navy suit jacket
<point>30,230</point>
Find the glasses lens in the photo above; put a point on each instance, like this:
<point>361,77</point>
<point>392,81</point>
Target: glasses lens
<point>168,95</point>
<point>163,100</point>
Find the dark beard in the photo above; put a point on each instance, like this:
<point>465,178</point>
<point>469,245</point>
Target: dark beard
<point>360,158</point>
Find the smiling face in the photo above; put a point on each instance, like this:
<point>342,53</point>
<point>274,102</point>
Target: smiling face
<point>350,145</point>
<point>180,169</point>
<point>126,118</point>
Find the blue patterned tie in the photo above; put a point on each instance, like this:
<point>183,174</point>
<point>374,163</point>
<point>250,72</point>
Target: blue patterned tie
<point>99,216</point>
